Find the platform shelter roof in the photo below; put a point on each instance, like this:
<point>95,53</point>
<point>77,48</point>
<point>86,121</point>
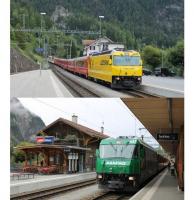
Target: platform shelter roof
<point>159,116</point>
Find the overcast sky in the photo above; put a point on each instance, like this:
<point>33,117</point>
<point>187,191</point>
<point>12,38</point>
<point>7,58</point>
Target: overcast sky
<point>112,113</point>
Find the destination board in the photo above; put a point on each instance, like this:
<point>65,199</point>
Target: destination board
<point>167,136</point>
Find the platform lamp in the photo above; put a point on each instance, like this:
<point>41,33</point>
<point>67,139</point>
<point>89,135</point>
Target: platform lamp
<point>142,136</point>
<point>101,17</point>
<point>42,13</point>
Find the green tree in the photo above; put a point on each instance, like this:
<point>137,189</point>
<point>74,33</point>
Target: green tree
<point>73,50</point>
<point>151,56</point>
<point>18,155</point>
<point>21,39</point>
<point>176,56</point>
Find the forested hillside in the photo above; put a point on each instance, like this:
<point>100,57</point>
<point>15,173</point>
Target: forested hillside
<point>151,21</point>
<point>136,23</point>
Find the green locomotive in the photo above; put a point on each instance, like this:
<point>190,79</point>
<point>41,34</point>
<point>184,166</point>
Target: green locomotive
<point>125,163</point>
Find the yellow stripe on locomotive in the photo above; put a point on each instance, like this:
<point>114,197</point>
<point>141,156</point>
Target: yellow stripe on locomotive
<point>122,69</point>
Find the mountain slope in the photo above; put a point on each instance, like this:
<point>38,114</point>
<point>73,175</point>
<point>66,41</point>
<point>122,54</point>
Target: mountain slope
<point>24,124</point>
<point>155,21</point>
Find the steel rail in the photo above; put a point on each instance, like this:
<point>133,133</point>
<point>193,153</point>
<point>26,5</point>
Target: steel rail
<point>141,94</point>
<point>79,90</point>
<point>111,196</point>
<point>52,191</point>
<point>75,89</point>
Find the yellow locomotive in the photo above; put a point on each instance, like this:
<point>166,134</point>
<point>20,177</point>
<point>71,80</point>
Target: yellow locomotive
<point>121,69</point>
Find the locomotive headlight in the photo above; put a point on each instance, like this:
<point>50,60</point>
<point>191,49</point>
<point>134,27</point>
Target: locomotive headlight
<point>117,78</point>
<point>138,78</point>
<point>99,176</point>
<point>131,178</point>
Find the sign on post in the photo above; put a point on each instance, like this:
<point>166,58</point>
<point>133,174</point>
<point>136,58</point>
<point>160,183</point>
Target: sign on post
<point>39,50</point>
<point>167,136</point>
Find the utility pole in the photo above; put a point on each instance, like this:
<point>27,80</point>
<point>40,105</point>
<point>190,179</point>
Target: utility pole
<point>16,69</point>
<point>162,58</point>
<point>57,41</point>
<point>70,48</point>
<point>24,21</point>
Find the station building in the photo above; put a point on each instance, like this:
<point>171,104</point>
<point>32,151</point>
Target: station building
<point>63,147</point>
<point>99,45</point>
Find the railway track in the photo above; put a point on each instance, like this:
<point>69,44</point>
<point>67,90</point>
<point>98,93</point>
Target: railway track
<point>141,94</point>
<point>50,192</point>
<point>76,89</point>
<point>79,90</point>
<point>111,196</point>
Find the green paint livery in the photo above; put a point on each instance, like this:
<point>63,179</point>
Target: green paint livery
<point>125,163</point>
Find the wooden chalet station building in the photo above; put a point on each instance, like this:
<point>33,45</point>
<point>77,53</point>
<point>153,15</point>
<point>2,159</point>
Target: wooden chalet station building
<point>63,147</point>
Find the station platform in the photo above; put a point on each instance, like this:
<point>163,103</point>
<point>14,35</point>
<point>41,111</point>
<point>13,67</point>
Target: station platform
<point>162,187</point>
<point>40,182</point>
<point>37,83</point>
<point>163,86</point>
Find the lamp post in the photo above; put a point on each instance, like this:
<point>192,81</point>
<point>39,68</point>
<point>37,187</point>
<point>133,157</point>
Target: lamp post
<point>162,58</point>
<point>142,136</point>
<point>101,17</point>
<point>44,52</point>
<point>42,13</point>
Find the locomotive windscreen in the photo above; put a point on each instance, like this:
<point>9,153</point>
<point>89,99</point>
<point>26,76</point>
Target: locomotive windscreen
<point>126,61</point>
<point>118,151</point>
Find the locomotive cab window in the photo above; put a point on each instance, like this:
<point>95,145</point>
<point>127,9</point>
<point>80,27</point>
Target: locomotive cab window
<point>118,151</point>
<point>126,61</point>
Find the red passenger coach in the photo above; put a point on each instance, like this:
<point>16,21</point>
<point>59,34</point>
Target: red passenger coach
<point>60,62</point>
<point>81,66</point>
<point>71,65</point>
<point>75,65</point>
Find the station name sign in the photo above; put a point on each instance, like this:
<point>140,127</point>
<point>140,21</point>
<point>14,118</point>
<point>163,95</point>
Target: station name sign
<point>45,139</point>
<point>167,136</point>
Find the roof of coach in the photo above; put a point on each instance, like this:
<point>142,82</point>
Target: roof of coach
<point>117,52</point>
<point>123,53</point>
<point>73,59</point>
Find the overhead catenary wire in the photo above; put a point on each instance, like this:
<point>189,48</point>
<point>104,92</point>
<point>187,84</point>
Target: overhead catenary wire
<point>70,114</point>
<point>155,142</point>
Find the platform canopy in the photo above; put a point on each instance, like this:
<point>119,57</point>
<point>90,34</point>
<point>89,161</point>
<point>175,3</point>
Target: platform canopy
<point>160,116</point>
